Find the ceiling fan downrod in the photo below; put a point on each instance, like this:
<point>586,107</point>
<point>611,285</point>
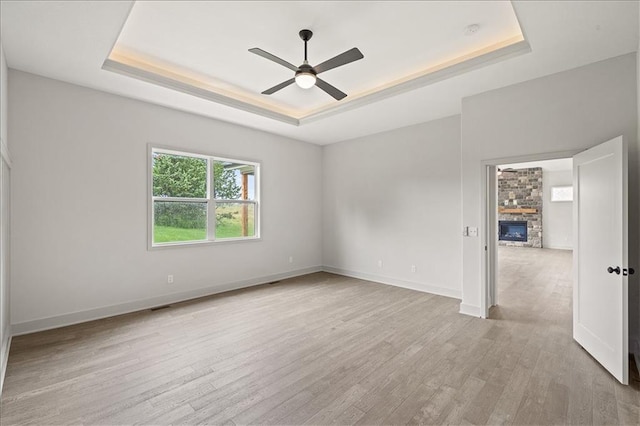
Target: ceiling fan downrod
<point>305,35</point>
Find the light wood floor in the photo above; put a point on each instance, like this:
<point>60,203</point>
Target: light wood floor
<point>325,349</point>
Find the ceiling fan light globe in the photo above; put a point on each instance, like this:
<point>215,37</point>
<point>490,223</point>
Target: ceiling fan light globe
<point>305,80</point>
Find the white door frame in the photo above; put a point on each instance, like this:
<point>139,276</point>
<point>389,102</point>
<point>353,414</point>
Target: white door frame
<point>488,197</point>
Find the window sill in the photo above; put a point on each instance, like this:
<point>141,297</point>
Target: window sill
<point>202,243</point>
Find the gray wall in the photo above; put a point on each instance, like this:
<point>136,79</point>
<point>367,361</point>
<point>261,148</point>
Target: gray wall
<point>79,205</point>
<point>572,110</point>
<point>557,217</point>
<point>5,323</point>
<point>395,197</point>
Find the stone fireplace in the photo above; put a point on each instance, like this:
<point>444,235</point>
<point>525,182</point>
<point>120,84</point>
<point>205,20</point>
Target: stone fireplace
<point>520,207</point>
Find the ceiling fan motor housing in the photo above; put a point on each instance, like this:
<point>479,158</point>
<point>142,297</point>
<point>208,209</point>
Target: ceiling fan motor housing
<point>305,69</point>
<point>306,35</point>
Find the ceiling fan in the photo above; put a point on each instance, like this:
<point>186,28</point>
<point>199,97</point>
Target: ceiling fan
<point>306,75</point>
<point>507,170</point>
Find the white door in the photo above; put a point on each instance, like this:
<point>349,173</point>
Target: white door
<point>600,268</point>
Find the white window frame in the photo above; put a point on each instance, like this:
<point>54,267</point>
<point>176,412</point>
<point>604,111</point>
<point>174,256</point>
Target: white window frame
<point>556,192</point>
<point>210,200</point>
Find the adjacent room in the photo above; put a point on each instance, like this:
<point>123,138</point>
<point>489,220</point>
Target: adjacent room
<point>316,212</point>
<point>533,278</point>
<point>535,211</point>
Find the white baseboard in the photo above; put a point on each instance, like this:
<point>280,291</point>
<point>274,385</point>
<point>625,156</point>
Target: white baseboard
<point>554,247</point>
<point>474,311</point>
<point>6,346</point>
<point>425,288</point>
<point>138,305</point>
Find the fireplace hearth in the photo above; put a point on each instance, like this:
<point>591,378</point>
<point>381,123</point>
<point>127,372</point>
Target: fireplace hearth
<point>512,230</point>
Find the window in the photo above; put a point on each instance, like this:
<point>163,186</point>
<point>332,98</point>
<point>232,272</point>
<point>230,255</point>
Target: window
<point>562,193</point>
<point>199,198</point>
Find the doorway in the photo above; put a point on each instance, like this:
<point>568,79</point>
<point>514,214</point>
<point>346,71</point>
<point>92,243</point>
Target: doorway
<point>534,215</point>
<point>489,265</point>
<point>600,179</point>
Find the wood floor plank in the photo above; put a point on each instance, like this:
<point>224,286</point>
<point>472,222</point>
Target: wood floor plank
<point>481,407</point>
<point>350,416</point>
<point>335,410</point>
<point>404,412</point>
<point>580,411</point>
<point>507,405</point>
<point>454,413</point>
<point>556,403</point>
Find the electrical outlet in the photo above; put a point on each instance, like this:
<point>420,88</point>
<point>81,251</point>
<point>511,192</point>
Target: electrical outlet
<point>379,263</point>
<point>413,268</point>
<point>290,259</point>
<point>473,231</point>
<point>169,279</point>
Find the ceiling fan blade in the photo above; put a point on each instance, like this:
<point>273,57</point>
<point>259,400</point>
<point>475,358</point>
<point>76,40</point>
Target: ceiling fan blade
<point>332,91</point>
<point>273,58</point>
<point>337,61</point>
<point>278,87</point>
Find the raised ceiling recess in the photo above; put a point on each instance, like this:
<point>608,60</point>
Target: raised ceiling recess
<point>201,48</point>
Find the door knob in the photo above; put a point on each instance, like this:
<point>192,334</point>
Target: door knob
<point>612,270</point>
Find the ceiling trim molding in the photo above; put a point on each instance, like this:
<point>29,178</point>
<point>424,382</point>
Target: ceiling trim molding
<point>490,55</point>
<point>190,89</point>
<point>427,77</point>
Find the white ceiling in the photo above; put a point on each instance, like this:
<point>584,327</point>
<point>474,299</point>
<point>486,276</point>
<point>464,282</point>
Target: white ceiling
<point>70,41</point>
<point>209,43</point>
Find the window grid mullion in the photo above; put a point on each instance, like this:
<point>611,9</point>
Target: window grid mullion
<point>181,199</point>
<point>232,201</point>
<point>211,207</point>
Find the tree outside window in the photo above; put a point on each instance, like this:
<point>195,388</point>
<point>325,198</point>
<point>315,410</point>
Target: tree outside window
<point>188,189</point>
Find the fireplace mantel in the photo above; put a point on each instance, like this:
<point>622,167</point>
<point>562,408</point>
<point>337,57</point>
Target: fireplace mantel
<point>518,210</point>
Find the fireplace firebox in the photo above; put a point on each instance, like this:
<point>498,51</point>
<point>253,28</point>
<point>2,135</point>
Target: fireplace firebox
<point>512,230</point>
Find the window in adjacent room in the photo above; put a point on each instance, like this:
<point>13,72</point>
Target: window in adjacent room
<point>562,193</point>
<point>200,198</point>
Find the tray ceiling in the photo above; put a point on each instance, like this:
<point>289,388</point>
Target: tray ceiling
<point>201,48</point>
